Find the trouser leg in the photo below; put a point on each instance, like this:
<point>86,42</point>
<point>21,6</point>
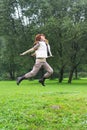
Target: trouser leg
<point>34,71</point>
<point>30,74</point>
<point>49,70</point>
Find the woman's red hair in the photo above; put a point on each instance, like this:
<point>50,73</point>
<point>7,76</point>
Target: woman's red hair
<point>38,38</point>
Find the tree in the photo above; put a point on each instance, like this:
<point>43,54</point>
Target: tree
<point>61,21</point>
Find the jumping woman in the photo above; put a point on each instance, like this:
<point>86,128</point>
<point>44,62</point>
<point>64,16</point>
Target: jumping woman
<point>42,51</point>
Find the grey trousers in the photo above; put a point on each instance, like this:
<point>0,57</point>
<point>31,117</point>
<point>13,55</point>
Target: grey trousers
<point>37,67</point>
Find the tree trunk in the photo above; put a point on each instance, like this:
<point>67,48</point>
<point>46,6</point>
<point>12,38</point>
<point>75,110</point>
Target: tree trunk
<point>76,74</point>
<point>74,68</point>
<point>12,71</point>
<point>61,74</point>
<point>12,75</point>
<point>71,75</point>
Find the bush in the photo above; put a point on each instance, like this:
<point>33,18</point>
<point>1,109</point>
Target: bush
<point>82,74</point>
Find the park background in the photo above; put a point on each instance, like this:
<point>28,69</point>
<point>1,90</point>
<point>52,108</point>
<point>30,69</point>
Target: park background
<point>64,22</point>
<point>62,103</point>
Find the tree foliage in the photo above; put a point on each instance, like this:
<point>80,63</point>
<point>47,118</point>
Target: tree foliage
<point>63,22</point>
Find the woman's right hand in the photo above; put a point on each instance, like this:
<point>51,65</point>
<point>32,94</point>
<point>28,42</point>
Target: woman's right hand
<point>22,54</point>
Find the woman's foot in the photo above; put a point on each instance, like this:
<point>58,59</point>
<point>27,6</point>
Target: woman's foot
<point>19,79</point>
<point>42,81</point>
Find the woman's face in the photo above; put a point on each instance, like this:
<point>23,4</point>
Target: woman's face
<point>43,38</point>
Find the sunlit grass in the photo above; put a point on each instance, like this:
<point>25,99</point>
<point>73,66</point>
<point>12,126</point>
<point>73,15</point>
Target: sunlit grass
<point>31,106</point>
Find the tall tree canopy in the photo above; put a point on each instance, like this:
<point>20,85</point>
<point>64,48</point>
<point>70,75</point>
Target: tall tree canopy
<point>62,21</point>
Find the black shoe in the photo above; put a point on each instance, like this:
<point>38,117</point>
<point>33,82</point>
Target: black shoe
<point>19,79</point>
<point>42,81</point>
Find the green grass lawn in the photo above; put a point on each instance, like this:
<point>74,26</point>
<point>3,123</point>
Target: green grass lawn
<point>31,106</point>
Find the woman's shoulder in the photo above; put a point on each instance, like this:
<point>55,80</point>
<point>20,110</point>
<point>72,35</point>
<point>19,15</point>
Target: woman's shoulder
<point>36,42</point>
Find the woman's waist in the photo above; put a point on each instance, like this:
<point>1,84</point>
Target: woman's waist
<point>40,59</point>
